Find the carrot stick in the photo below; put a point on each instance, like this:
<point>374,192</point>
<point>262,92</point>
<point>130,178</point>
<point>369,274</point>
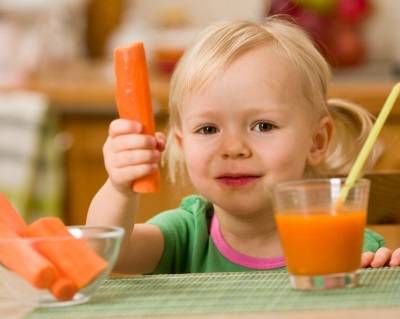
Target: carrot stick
<point>24,260</point>
<point>10,217</point>
<point>72,256</point>
<point>133,100</point>
<point>63,288</point>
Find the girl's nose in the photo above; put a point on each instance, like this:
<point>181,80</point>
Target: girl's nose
<point>235,147</point>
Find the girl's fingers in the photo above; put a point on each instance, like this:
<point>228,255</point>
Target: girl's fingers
<point>130,155</point>
<point>381,258</point>
<point>126,166</point>
<point>135,157</point>
<point>161,141</point>
<point>131,142</point>
<point>123,126</point>
<point>395,260</point>
<point>123,178</point>
<point>367,258</point>
<point>124,134</point>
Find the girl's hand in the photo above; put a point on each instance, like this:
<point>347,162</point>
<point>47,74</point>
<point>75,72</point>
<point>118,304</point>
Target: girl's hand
<point>383,257</point>
<point>129,155</point>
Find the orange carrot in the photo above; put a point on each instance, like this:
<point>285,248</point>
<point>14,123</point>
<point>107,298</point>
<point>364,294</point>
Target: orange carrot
<point>24,260</point>
<point>63,288</point>
<point>10,217</point>
<point>72,256</point>
<point>133,100</point>
<point>11,221</point>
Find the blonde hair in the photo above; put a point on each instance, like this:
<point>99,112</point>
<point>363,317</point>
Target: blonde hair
<point>220,44</point>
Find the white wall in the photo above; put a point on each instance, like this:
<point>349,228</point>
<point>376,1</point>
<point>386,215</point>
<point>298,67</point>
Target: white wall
<point>382,31</point>
<point>200,12</point>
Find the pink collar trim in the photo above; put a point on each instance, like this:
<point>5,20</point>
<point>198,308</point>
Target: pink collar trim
<point>238,258</point>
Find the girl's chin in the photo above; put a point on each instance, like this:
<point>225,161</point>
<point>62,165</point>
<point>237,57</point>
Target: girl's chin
<point>243,207</point>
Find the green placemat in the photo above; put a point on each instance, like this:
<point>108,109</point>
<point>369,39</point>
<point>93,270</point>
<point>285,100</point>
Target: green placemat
<point>226,293</point>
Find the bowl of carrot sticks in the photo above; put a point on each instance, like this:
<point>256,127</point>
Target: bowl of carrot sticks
<point>48,264</point>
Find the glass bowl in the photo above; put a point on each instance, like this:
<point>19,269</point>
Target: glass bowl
<point>100,245</point>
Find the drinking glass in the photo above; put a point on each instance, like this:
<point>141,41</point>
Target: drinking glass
<point>321,235</point>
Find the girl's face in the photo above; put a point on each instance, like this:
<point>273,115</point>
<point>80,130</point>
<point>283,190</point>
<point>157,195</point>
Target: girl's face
<point>248,130</point>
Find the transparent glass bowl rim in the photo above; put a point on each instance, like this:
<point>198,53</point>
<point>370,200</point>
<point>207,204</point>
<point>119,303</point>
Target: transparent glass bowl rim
<point>104,232</point>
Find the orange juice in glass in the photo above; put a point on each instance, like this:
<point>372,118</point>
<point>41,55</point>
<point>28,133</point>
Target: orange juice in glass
<point>322,240</point>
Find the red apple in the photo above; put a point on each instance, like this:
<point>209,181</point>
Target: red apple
<point>311,21</point>
<point>343,45</point>
<point>353,11</point>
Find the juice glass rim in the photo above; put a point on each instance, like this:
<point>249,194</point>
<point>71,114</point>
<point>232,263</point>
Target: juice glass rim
<point>318,181</point>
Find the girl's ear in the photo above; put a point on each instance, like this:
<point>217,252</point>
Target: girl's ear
<point>178,137</point>
<point>320,141</point>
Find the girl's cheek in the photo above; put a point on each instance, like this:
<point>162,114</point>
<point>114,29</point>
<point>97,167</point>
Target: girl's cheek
<point>290,164</point>
<point>196,161</point>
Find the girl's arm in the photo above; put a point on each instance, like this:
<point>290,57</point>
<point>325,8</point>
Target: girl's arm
<point>128,155</point>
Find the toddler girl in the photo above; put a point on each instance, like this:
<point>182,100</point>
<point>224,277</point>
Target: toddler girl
<point>248,110</point>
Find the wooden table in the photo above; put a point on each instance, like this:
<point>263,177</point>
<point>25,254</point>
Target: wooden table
<point>11,309</point>
<point>265,294</point>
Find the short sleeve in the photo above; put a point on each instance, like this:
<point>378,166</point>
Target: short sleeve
<point>186,235</point>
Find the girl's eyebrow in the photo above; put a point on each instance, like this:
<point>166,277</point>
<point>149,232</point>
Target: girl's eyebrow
<point>196,115</point>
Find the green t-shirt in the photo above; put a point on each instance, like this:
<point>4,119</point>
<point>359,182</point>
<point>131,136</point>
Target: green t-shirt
<point>189,247</point>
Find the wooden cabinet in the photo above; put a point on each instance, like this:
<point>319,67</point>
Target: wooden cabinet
<point>83,95</point>
<point>84,167</point>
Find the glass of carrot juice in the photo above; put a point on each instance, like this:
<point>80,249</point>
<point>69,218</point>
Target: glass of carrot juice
<point>322,235</point>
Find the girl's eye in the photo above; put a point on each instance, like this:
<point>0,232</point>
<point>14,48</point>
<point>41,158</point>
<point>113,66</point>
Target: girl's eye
<point>208,130</point>
<point>263,127</point>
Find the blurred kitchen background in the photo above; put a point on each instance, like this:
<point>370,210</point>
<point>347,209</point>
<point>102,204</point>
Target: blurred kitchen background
<point>57,82</point>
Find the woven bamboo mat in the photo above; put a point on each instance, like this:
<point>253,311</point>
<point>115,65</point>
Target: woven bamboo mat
<point>197,294</point>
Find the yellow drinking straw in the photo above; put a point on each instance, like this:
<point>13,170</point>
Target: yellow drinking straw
<point>366,149</point>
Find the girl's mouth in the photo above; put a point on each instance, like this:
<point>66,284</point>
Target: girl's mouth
<point>237,181</point>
